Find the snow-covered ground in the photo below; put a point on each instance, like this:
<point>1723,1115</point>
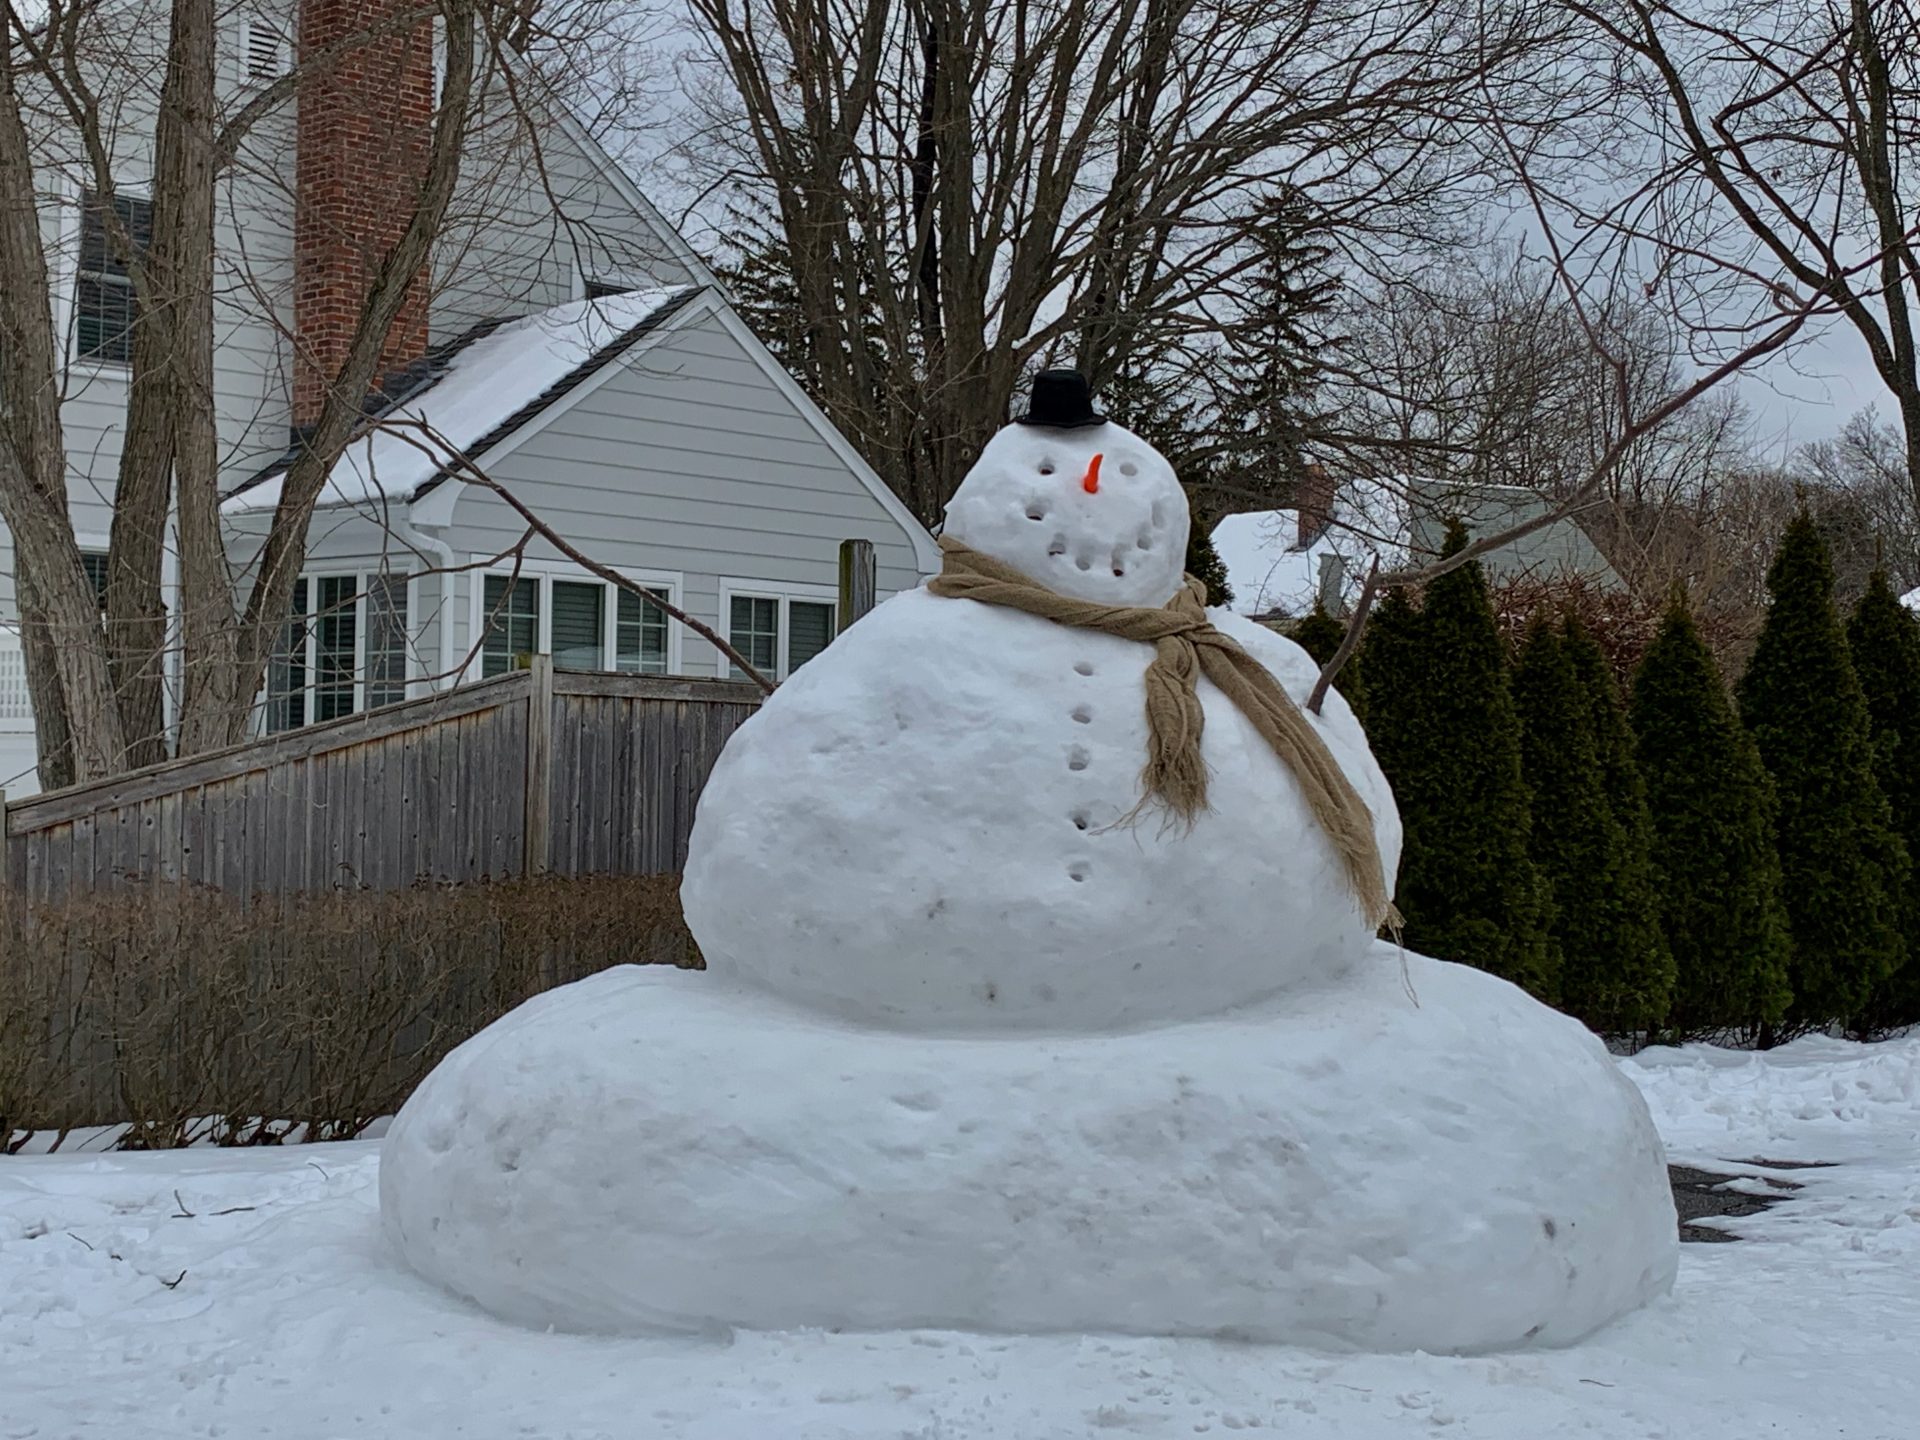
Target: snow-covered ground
<point>131,1305</point>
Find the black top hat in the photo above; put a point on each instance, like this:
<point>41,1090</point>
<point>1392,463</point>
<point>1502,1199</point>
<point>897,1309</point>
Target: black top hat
<point>1061,401</point>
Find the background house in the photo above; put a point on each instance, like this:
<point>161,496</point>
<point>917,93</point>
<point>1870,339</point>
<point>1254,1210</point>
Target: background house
<point>566,339</point>
<point>1281,563</point>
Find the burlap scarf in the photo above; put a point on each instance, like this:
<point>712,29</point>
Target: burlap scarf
<point>1188,646</point>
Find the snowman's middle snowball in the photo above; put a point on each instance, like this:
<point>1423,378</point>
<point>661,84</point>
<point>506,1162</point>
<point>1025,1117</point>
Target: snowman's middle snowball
<point>920,829</point>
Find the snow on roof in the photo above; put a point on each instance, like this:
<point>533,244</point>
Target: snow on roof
<point>1270,572</point>
<point>1911,600</point>
<point>487,385</point>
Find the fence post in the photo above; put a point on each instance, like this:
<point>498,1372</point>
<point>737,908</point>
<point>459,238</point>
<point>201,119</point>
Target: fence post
<point>538,825</point>
<point>858,580</point>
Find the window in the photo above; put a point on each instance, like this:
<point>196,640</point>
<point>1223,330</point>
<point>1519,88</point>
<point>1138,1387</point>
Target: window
<point>287,670</point>
<point>809,631</point>
<point>94,562</point>
<point>579,638</point>
<point>513,623</point>
<point>640,641</point>
<point>104,305</point>
<point>778,634</point>
<point>386,640</point>
<point>344,649</point>
<point>583,622</point>
<point>755,632</point>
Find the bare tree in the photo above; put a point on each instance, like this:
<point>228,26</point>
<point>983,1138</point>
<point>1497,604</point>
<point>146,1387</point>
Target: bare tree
<point>91,88</point>
<point>1757,148</point>
<point>951,191</point>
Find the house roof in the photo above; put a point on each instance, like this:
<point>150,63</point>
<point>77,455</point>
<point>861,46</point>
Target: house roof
<point>467,396</point>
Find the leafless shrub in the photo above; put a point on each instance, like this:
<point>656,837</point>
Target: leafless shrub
<point>187,1015</point>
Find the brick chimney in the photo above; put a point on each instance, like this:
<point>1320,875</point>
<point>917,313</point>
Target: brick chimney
<point>1313,500</point>
<point>365,131</point>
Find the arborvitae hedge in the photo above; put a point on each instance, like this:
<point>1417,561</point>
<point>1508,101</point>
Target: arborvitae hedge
<point>1884,640</point>
<point>1713,849</point>
<point>1204,562</point>
<point>1442,723</point>
<point>1643,941</point>
<point>1614,974</point>
<point>1841,863</point>
<point>1319,634</point>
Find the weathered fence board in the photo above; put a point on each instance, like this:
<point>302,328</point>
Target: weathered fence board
<point>535,771</point>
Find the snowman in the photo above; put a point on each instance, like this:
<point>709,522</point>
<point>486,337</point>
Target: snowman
<point>975,771</point>
<point>1043,995</point>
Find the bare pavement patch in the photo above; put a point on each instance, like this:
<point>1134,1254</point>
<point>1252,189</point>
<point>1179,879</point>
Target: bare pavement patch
<point>1710,1194</point>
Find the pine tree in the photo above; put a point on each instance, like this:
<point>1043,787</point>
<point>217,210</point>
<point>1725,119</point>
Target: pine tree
<point>1884,640</point>
<point>1442,723</point>
<point>1714,860</point>
<point>1319,634</point>
<point>1205,565</point>
<point>1613,974</point>
<point>1841,864</point>
<point>1643,946</point>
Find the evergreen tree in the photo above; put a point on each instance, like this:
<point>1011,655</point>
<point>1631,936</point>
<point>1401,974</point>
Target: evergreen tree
<point>1710,804</point>
<point>1319,634</point>
<point>1643,941</point>
<point>1884,639</point>
<point>1205,565</point>
<point>1442,723</point>
<point>1841,864</point>
<point>1612,974</point>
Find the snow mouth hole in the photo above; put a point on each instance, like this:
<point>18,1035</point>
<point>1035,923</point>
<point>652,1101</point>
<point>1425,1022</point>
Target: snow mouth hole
<point>1045,467</point>
<point>1159,515</point>
<point>1081,667</point>
<point>1078,871</point>
<point>1083,562</point>
<point>1082,714</point>
<point>1144,542</point>
<point>1077,758</point>
<point>1036,511</point>
<point>1057,545</point>
<point>1081,820</point>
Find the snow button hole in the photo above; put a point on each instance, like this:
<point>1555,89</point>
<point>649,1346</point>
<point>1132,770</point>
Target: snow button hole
<point>1081,820</point>
<point>1082,714</point>
<point>1081,667</point>
<point>1079,871</point>
<point>1076,758</point>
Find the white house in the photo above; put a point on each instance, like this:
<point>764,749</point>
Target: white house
<point>568,342</point>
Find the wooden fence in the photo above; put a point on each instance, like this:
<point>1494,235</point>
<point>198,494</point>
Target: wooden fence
<point>529,773</point>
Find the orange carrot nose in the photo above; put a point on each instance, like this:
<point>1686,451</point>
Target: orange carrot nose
<point>1090,482</point>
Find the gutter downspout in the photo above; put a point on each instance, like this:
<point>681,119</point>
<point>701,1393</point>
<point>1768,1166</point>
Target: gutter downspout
<point>442,552</point>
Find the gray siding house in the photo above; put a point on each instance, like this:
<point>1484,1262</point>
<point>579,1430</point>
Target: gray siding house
<point>575,349</point>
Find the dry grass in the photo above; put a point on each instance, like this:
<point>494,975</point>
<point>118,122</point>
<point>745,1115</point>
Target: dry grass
<point>187,1015</point>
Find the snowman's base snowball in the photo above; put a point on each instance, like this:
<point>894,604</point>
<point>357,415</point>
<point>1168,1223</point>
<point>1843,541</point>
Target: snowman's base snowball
<point>655,1148</point>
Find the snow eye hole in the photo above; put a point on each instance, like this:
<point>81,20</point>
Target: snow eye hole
<point>1036,511</point>
<point>1046,467</point>
<point>1127,467</point>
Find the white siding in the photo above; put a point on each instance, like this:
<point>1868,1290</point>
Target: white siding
<point>689,459</point>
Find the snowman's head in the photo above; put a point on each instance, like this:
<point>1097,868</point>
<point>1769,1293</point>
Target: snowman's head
<point>1094,513</point>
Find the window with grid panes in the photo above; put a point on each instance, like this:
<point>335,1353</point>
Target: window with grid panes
<point>578,634</point>
<point>809,631</point>
<point>94,562</point>
<point>104,305</point>
<point>512,616</point>
<point>754,630</point>
<point>336,627</point>
<point>640,636</point>
<point>386,640</point>
<point>287,669</point>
